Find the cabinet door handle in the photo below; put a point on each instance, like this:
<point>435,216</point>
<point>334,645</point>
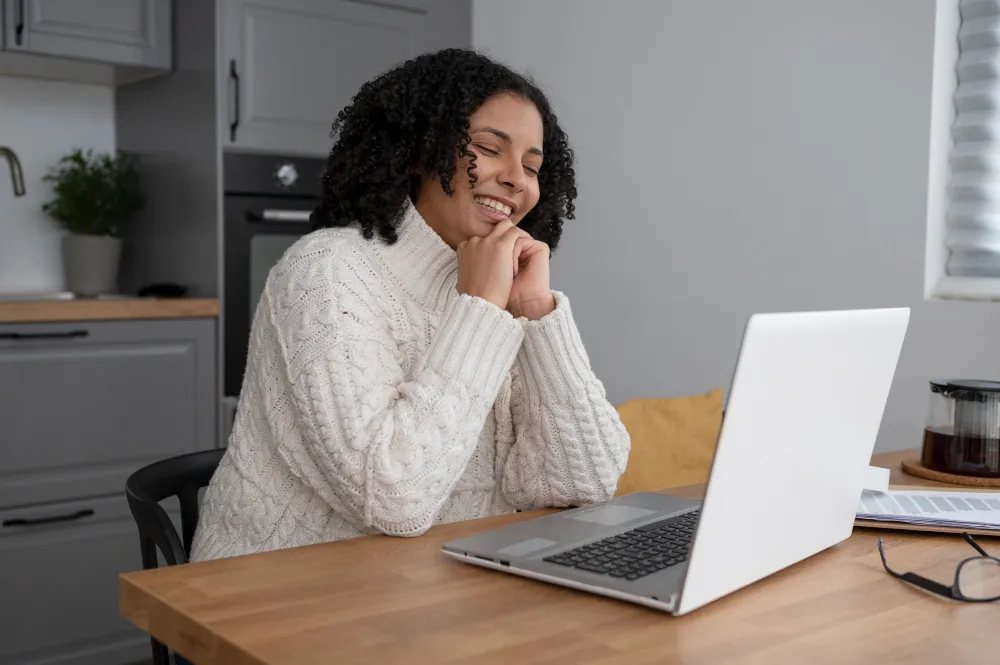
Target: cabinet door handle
<point>19,27</point>
<point>268,215</point>
<point>45,335</point>
<point>235,78</point>
<point>27,521</point>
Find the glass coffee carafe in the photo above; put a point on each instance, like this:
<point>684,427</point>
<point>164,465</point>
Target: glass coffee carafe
<point>962,433</point>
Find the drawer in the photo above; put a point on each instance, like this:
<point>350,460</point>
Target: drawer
<point>59,567</point>
<point>82,405</point>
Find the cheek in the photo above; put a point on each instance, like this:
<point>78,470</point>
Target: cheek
<point>533,194</point>
<point>484,172</point>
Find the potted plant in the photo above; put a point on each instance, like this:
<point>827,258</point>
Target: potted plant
<point>94,195</point>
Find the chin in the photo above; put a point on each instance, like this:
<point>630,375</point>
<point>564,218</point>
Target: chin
<point>480,226</point>
<point>482,230</point>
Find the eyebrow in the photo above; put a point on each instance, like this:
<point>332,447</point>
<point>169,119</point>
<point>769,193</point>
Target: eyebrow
<point>504,136</point>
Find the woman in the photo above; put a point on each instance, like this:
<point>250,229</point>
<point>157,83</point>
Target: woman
<point>428,374</point>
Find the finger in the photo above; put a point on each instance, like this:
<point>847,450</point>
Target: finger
<point>501,228</point>
<point>520,247</point>
<point>533,248</point>
<point>513,234</point>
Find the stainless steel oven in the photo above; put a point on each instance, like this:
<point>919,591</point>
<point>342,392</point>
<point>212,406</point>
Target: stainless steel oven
<point>267,203</point>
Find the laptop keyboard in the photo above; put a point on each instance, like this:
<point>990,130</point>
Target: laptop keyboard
<point>635,553</point>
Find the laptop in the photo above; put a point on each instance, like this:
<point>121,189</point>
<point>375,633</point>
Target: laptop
<point>804,410</point>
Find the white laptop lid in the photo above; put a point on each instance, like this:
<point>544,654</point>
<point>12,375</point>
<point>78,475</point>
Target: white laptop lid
<point>805,408</point>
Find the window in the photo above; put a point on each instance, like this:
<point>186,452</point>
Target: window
<point>973,217</point>
<point>963,238</point>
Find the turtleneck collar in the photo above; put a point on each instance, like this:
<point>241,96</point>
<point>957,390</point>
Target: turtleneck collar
<point>420,262</point>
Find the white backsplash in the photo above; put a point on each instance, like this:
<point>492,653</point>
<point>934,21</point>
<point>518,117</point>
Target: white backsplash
<point>42,121</point>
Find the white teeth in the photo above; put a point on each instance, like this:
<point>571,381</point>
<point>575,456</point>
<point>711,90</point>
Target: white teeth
<point>496,205</point>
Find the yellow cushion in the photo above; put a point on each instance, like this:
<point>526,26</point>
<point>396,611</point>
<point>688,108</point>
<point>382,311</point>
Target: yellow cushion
<point>673,440</point>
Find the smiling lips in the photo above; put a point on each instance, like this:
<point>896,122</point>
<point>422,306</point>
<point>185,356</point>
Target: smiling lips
<point>493,208</point>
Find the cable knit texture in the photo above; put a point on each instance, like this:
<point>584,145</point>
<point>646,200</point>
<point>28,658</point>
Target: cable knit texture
<point>377,399</point>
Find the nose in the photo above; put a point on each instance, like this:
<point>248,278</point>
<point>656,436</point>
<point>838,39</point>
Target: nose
<point>512,175</point>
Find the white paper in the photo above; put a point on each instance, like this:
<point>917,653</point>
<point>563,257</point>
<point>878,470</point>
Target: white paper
<point>971,510</point>
<point>876,479</point>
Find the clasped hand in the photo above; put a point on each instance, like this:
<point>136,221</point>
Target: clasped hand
<point>508,268</point>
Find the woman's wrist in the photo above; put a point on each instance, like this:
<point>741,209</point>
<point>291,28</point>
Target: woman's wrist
<point>533,309</point>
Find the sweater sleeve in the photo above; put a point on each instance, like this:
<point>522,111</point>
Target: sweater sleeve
<point>570,447</point>
<point>385,446</point>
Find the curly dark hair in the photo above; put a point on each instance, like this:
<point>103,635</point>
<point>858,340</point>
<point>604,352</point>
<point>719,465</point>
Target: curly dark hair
<point>412,122</point>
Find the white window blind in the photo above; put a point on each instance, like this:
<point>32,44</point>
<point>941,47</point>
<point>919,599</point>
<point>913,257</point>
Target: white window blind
<point>973,217</point>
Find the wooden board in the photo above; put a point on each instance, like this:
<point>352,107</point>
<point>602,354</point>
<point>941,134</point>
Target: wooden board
<point>38,311</point>
<point>915,468</point>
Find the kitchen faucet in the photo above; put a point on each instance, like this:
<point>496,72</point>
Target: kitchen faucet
<point>16,174</point>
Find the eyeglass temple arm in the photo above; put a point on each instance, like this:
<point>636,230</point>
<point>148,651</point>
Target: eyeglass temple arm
<point>926,584</point>
<point>917,580</point>
<point>972,541</point>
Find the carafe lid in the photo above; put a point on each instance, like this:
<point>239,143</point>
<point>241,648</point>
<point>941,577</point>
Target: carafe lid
<point>965,388</point>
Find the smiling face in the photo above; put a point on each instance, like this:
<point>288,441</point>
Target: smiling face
<point>506,133</point>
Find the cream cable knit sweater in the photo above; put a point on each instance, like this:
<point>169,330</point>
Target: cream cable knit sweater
<point>378,400</point>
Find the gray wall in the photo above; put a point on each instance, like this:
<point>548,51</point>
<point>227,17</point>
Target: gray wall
<point>736,157</point>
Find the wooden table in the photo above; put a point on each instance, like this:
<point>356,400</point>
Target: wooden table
<point>383,600</point>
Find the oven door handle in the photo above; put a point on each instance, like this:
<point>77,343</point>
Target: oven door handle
<point>272,215</point>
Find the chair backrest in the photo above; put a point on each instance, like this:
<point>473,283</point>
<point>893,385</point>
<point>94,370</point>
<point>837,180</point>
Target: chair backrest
<point>182,476</point>
<point>673,441</point>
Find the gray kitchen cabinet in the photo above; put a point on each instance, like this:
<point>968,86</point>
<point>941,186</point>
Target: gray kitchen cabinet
<point>291,65</point>
<point>59,567</point>
<point>121,32</point>
<point>83,404</point>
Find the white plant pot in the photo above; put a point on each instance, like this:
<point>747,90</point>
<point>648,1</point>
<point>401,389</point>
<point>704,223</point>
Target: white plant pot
<point>90,264</point>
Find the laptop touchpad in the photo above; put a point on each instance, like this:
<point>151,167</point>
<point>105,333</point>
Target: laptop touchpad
<point>611,515</point>
<point>526,547</point>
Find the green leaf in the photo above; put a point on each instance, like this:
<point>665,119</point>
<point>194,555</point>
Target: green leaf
<point>94,194</point>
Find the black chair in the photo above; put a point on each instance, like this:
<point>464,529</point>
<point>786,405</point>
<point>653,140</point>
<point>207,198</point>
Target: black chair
<point>182,476</point>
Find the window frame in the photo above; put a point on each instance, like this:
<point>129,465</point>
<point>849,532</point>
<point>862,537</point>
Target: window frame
<point>938,284</point>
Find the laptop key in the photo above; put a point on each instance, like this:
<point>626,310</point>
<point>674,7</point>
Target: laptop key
<point>670,522</point>
<point>593,567</point>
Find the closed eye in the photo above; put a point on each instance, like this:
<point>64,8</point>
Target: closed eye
<point>488,151</point>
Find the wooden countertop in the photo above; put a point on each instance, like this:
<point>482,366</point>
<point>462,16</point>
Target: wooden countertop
<point>48,311</point>
<point>383,600</point>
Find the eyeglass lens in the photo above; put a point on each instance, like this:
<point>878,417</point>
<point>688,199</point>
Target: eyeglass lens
<point>979,579</point>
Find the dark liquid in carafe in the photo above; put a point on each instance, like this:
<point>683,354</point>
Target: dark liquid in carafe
<point>961,454</point>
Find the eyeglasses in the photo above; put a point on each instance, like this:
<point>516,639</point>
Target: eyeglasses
<point>977,579</point>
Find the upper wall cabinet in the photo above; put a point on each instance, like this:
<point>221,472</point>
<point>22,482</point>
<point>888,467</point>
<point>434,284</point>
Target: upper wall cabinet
<point>291,65</point>
<point>132,36</point>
